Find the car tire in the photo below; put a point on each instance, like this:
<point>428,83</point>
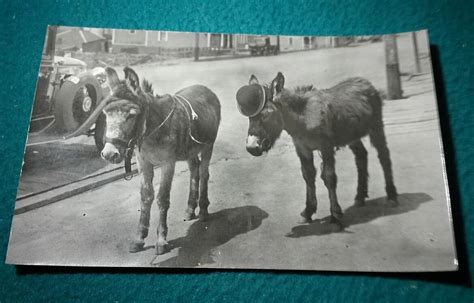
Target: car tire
<point>99,132</point>
<point>75,100</point>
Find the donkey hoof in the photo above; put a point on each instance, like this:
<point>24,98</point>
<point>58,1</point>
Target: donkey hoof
<point>359,202</point>
<point>337,214</point>
<point>391,203</point>
<point>304,219</point>
<point>189,216</point>
<point>335,225</point>
<point>162,249</point>
<point>136,246</point>
<point>203,215</point>
<point>306,216</point>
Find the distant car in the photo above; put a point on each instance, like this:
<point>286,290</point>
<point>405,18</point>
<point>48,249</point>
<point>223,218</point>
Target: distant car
<point>263,46</point>
<point>66,95</point>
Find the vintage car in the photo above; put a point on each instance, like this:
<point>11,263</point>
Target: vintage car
<point>264,46</point>
<point>66,95</point>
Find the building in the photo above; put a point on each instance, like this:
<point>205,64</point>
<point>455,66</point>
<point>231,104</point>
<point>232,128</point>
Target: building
<point>288,43</point>
<point>174,44</point>
<point>143,41</point>
<point>78,39</point>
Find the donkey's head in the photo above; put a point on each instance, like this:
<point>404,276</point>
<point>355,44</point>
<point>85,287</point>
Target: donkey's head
<point>125,121</point>
<point>259,103</point>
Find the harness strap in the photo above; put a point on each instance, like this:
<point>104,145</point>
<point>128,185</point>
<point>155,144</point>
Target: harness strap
<point>193,113</point>
<point>191,117</point>
<point>164,121</point>
<point>137,138</point>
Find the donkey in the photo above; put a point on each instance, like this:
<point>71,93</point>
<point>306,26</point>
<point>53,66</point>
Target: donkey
<point>166,129</point>
<point>322,120</point>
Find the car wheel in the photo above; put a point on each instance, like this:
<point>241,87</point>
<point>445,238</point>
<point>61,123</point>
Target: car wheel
<point>99,132</point>
<point>75,100</point>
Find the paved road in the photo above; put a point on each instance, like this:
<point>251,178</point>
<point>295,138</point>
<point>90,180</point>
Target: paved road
<point>256,201</point>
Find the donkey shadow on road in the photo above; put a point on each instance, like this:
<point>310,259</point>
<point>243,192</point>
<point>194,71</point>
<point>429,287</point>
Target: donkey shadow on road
<point>354,215</point>
<point>196,248</point>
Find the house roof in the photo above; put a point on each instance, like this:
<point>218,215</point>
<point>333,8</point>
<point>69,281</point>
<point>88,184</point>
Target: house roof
<point>76,37</point>
<point>90,36</point>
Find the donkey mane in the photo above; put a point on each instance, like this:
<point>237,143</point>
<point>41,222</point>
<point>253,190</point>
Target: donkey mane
<point>147,87</point>
<point>122,91</point>
<point>304,89</point>
<point>142,97</point>
<point>296,99</point>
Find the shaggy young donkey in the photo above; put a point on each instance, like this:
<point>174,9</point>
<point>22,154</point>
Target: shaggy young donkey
<point>322,120</point>
<point>165,129</point>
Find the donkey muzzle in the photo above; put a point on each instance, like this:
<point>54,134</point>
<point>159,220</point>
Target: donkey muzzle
<point>253,146</point>
<point>111,154</point>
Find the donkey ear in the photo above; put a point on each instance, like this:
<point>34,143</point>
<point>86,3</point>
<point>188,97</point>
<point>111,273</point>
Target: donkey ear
<point>278,83</point>
<point>112,77</point>
<point>131,78</point>
<point>253,80</point>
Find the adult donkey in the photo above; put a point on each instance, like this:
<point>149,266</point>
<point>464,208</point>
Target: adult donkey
<point>165,129</point>
<point>321,120</point>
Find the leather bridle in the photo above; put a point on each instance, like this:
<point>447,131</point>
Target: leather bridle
<point>136,138</point>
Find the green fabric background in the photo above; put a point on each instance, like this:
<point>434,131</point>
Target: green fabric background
<point>450,30</point>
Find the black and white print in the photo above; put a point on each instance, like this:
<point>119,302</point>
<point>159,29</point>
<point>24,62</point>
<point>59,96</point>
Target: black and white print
<point>173,149</point>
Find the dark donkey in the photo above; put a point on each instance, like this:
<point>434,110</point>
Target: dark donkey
<point>321,120</point>
<point>165,129</point>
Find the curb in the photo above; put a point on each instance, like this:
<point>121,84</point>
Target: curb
<point>34,201</point>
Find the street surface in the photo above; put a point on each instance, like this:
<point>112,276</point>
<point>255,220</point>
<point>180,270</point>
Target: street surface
<point>255,202</point>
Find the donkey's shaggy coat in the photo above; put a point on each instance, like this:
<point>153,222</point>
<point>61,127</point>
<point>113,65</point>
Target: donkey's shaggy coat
<point>322,120</point>
<point>165,129</point>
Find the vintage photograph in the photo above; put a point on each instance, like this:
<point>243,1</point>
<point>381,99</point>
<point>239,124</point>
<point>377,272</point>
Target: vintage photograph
<point>203,150</point>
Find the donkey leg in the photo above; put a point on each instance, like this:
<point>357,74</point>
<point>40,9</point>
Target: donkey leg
<point>309,175</point>
<point>377,137</point>
<point>204,179</point>
<point>328,174</point>
<point>193,164</point>
<point>147,195</point>
<point>167,173</point>
<point>360,154</point>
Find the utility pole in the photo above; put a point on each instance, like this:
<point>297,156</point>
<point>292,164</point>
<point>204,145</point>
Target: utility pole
<point>394,87</point>
<point>234,44</point>
<point>196,47</point>
<point>415,53</point>
<point>50,43</point>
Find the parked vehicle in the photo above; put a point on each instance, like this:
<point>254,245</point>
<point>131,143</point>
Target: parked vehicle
<point>264,46</point>
<point>66,95</point>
